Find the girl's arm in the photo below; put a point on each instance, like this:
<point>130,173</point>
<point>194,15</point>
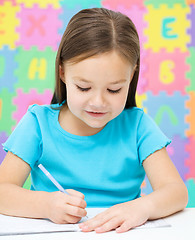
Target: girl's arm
<point>17,201</point>
<point>169,196</point>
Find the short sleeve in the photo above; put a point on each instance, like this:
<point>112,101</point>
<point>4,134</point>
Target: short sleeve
<point>149,137</point>
<point>25,140</point>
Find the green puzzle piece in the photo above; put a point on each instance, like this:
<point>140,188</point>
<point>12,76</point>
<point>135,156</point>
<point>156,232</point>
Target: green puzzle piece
<point>191,192</point>
<point>27,184</point>
<point>191,74</point>
<point>36,69</point>
<point>6,109</point>
<point>83,4</point>
<point>170,4</point>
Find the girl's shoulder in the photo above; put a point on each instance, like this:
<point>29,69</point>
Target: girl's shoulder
<point>43,109</point>
<point>133,114</point>
<point>129,117</point>
<point>134,110</point>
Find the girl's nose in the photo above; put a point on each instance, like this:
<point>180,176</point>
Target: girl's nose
<point>97,100</point>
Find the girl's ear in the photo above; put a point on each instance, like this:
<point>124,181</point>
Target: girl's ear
<point>61,73</point>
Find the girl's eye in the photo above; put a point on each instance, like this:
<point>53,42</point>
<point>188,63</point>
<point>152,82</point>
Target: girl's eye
<point>83,89</point>
<point>114,91</point>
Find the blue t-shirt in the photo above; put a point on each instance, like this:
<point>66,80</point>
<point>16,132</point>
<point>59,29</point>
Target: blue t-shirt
<point>106,167</point>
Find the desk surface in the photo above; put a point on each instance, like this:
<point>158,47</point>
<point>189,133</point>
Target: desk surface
<point>183,227</point>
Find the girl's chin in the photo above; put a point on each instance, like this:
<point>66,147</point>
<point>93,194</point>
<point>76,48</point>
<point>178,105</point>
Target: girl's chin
<point>95,124</point>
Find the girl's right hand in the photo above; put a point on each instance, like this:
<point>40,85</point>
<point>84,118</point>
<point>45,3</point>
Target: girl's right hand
<point>64,208</point>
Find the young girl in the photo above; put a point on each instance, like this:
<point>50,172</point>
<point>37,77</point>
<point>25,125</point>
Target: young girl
<point>92,138</point>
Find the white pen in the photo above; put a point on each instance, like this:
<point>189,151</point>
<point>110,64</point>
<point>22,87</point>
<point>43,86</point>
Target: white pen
<point>44,170</point>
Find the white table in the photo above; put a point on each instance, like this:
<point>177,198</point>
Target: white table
<point>182,228</point>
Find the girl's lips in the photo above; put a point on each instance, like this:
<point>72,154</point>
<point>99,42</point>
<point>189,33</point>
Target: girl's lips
<point>96,114</point>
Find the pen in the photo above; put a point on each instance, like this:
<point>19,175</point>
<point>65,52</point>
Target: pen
<point>44,170</point>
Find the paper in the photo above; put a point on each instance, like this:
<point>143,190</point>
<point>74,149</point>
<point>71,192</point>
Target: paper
<point>155,224</point>
<point>20,226</point>
<point>17,226</point>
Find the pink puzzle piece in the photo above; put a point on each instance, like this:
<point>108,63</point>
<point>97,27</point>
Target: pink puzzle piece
<point>24,100</point>
<point>39,27</point>
<point>126,3</point>
<point>167,72</point>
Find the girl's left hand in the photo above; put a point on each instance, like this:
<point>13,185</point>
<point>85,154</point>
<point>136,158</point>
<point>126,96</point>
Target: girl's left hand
<point>121,217</point>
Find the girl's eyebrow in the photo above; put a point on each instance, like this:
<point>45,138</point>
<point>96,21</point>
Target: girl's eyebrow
<point>87,81</point>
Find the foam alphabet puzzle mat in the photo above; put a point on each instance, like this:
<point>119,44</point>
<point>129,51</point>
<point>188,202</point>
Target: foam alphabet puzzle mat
<point>30,32</point>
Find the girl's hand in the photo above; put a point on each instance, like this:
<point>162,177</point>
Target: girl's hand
<point>121,217</point>
<point>63,208</point>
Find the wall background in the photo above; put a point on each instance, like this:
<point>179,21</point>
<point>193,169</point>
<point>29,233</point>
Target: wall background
<point>30,31</point>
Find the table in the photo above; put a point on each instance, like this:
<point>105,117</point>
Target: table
<point>182,227</point>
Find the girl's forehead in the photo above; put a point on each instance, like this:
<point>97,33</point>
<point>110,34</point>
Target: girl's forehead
<point>108,58</point>
<point>93,56</point>
<point>107,68</point>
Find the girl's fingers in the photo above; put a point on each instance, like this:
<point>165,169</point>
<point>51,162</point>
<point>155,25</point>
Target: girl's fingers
<point>108,226</point>
<point>75,211</point>
<point>75,193</point>
<point>76,201</point>
<point>95,222</point>
<point>71,219</point>
<point>125,226</point>
<point>61,205</point>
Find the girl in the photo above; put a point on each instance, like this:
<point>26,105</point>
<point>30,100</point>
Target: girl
<point>92,138</point>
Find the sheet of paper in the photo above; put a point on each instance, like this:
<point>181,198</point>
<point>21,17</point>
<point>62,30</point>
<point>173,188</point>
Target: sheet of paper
<point>17,226</point>
<point>155,224</point>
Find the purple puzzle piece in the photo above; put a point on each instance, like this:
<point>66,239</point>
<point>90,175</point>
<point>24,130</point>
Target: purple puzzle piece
<point>3,138</point>
<point>178,155</point>
<point>191,31</point>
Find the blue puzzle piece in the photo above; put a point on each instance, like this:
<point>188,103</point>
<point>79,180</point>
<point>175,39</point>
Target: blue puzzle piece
<point>148,188</point>
<point>168,112</point>
<point>70,8</point>
<point>7,68</point>
<point>66,15</point>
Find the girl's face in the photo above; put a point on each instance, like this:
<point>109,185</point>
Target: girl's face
<point>97,89</point>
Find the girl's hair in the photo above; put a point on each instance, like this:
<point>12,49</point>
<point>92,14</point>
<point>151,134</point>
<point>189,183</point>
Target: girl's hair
<point>95,31</point>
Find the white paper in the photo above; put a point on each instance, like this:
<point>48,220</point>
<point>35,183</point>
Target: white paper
<point>155,224</point>
<point>17,226</point>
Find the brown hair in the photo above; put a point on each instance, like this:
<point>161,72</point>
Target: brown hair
<point>95,31</point>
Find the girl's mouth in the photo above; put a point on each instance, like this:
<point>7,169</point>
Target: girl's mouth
<point>96,114</point>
